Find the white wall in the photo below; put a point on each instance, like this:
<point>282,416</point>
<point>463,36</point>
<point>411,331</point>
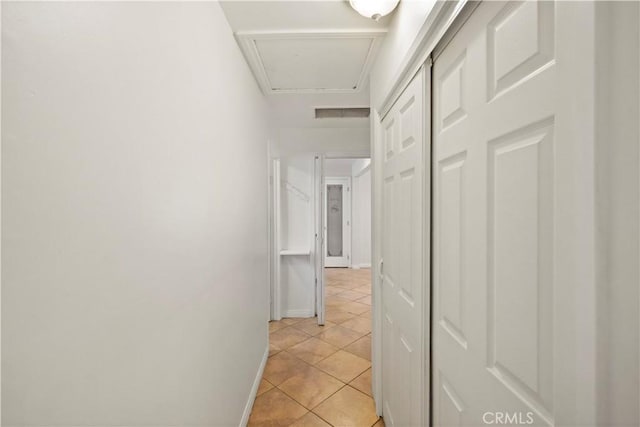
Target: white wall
<point>134,247</point>
<point>405,25</point>
<point>618,214</point>
<point>343,141</point>
<point>338,167</point>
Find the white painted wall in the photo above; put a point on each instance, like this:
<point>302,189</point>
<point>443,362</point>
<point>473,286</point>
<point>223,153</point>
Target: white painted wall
<point>134,245</point>
<point>618,133</point>
<point>405,25</point>
<point>342,141</point>
<point>338,167</point>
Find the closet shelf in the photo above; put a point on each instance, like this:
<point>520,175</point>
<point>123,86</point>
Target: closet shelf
<point>295,252</point>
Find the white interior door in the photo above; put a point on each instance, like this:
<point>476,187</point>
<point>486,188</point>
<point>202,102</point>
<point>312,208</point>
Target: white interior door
<point>319,238</point>
<point>495,174</point>
<point>404,398</point>
<point>337,222</point>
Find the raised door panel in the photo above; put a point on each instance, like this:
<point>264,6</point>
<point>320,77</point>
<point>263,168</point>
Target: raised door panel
<point>494,157</point>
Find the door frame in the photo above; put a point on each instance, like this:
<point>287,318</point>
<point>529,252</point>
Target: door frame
<point>276,313</point>
<point>319,241</point>
<point>345,181</point>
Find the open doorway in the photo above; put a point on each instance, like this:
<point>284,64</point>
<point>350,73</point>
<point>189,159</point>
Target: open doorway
<point>347,246</point>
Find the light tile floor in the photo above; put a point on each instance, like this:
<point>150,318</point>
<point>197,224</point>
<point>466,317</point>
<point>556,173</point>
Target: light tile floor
<point>321,375</point>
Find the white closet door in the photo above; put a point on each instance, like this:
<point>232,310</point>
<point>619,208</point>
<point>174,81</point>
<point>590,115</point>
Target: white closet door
<point>403,393</point>
<point>496,173</point>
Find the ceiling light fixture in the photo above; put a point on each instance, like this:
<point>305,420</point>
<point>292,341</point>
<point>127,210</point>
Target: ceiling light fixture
<point>374,9</point>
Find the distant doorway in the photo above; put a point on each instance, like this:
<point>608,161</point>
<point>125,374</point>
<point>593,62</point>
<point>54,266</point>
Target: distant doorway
<point>337,222</point>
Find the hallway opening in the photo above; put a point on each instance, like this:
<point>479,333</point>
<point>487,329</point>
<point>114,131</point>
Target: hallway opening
<point>321,375</point>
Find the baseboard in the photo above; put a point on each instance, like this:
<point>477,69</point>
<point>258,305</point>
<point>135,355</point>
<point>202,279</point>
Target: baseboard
<point>254,389</point>
<point>299,313</point>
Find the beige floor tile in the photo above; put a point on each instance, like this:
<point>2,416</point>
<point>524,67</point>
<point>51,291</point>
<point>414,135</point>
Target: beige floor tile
<point>380,423</point>
<point>310,420</point>
<point>339,336</point>
<point>334,301</point>
<point>312,328</point>
<point>361,347</point>
<point>273,350</point>
<point>365,300</point>
<point>337,316</point>
<point>358,324</point>
<point>351,295</point>
<point>283,366</point>
<point>348,407</point>
<point>275,409</point>
<point>311,387</point>
<point>264,387</point>
<point>313,350</point>
<point>292,320</point>
<point>355,307</point>
<point>366,315</point>
<point>363,382</point>
<point>274,325</point>
<point>332,291</point>
<point>347,286</point>
<point>344,366</point>
<point>366,289</point>
<point>287,337</point>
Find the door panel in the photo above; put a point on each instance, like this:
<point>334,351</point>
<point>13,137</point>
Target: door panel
<point>402,252</point>
<point>494,217</point>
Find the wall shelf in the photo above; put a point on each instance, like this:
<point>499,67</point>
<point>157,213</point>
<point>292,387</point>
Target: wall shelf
<point>295,252</point>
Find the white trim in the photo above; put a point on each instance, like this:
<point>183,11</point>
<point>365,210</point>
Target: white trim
<point>299,312</point>
<point>247,42</point>
<point>254,388</point>
<point>426,242</point>
<point>376,235</point>
<point>270,244</point>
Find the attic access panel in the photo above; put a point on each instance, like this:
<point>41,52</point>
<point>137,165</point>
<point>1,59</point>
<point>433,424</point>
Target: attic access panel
<point>310,62</point>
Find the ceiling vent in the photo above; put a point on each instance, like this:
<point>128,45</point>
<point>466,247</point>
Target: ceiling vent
<point>342,113</point>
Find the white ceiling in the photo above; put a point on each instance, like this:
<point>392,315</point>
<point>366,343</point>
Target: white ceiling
<point>267,16</point>
<point>312,49</point>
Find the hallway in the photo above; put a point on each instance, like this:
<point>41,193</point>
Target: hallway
<point>321,375</point>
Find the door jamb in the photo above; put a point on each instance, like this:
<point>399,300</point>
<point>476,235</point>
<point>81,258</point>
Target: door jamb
<point>319,242</point>
<point>276,313</point>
